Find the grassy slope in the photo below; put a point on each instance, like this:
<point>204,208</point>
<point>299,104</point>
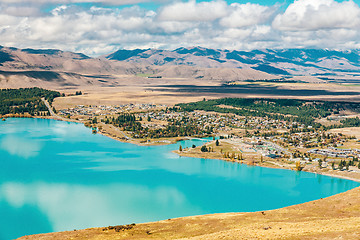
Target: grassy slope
<point>334,217</point>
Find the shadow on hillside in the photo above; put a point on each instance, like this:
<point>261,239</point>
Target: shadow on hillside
<point>249,89</point>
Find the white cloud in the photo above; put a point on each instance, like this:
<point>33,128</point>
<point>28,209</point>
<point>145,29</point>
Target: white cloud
<point>99,30</point>
<point>193,11</point>
<point>319,14</point>
<point>21,11</point>
<point>243,15</point>
<point>58,10</point>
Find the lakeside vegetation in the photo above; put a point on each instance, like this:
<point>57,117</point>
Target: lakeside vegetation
<point>25,100</point>
<point>129,122</point>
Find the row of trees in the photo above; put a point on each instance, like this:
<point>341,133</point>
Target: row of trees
<point>126,122</point>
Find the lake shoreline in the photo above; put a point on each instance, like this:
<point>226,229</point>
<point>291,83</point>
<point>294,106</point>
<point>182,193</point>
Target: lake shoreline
<point>175,140</point>
<point>270,165</point>
<point>169,141</point>
<point>214,223</point>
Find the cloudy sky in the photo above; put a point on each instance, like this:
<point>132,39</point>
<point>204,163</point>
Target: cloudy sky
<point>97,27</point>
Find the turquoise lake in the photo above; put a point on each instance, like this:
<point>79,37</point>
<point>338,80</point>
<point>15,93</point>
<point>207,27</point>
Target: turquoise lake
<point>57,176</point>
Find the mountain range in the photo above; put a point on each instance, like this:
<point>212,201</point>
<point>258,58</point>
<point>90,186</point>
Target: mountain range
<point>283,62</point>
<point>61,69</point>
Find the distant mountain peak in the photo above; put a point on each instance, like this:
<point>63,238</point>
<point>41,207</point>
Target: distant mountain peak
<point>124,54</point>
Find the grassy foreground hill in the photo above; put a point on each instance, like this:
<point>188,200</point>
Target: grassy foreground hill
<point>336,217</point>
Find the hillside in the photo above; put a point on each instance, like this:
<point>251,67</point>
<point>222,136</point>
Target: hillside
<point>285,62</point>
<point>56,69</point>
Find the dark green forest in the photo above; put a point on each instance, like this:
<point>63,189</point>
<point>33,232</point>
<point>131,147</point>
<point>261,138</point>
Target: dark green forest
<point>351,122</point>
<point>25,100</point>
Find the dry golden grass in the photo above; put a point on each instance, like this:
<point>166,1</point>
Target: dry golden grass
<point>143,90</point>
<point>116,98</point>
<point>352,131</point>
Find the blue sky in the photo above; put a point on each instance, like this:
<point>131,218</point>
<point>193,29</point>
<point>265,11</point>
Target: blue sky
<point>102,26</point>
<point>153,5</point>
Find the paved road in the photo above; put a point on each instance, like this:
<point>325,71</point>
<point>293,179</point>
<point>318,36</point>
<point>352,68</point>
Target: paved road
<point>54,115</point>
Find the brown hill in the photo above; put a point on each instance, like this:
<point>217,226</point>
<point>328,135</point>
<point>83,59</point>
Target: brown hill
<point>66,70</point>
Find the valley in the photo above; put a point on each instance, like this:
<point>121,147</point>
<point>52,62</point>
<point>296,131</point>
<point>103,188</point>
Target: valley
<point>155,97</point>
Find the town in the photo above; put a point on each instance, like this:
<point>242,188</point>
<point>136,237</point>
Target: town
<point>280,139</point>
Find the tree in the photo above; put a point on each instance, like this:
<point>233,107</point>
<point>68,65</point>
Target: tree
<point>149,119</point>
<point>320,163</point>
<point>217,143</point>
<point>180,148</point>
<point>333,165</point>
<point>341,165</point>
<point>298,166</point>
<point>193,146</point>
<point>204,149</point>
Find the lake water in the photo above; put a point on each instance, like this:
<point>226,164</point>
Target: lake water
<point>57,176</point>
